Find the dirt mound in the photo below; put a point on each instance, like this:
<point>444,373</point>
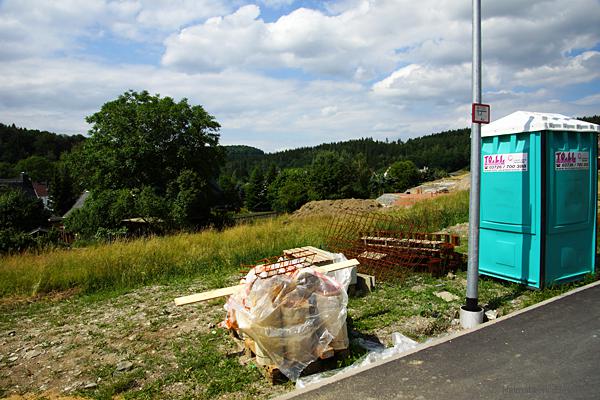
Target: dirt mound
<point>332,207</point>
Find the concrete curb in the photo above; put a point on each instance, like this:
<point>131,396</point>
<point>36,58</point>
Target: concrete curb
<point>433,343</point>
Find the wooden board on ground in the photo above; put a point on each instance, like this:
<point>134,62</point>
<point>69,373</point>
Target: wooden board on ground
<point>227,291</point>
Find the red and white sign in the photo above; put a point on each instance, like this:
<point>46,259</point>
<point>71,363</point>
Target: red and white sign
<point>509,162</point>
<point>565,160</point>
<point>481,113</point>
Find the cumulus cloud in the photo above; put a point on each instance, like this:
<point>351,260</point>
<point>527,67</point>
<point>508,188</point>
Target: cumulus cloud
<point>305,39</point>
<point>376,35</point>
<point>381,68</point>
<point>30,28</point>
<point>252,109</point>
<point>582,68</point>
<point>424,83</point>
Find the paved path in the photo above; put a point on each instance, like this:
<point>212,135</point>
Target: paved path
<point>548,352</point>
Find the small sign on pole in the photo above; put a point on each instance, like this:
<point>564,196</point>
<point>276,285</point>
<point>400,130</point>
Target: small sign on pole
<point>481,113</point>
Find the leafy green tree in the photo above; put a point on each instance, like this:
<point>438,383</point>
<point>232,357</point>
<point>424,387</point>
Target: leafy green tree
<point>103,209</point>
<point>289,191</point>
<point>401,175</point>
<point>338,176</point>
<point>14,241</point>
<point>142,140</point>
<point>7,170</point>
<point>21,212</point>
<point>39,168</point>
<point>256,192</point>
<point>20,143</point>
<point>161,155</point>
<point>62,191</point>
<point>189,204</point>
<point>377,184</point>
<point>151,206</point>
<point>270,175</point>
<point>231,191</point>
<point>362,176</point>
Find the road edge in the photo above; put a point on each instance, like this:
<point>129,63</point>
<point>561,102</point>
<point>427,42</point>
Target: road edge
<point>432,343</point>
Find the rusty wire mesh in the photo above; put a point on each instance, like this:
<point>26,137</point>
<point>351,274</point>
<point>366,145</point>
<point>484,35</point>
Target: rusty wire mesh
<point>287,263</point>
<point>389,247</point>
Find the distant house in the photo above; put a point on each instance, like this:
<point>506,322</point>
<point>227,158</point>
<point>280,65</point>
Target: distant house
<point>41,192</point>
<point>21,182</point>
<point>79,203</point>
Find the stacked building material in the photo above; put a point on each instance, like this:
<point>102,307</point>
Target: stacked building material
<point>290,314</point>
<point>388,247</point>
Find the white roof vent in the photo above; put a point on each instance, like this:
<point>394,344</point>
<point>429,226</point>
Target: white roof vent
<point>525,121</point>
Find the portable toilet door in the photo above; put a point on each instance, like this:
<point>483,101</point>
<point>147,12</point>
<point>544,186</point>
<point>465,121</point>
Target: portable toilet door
<point>538,198</point>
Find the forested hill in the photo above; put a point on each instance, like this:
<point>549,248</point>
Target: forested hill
<point>594,120</point>
<point>20,143</point>
<point>447,150</point>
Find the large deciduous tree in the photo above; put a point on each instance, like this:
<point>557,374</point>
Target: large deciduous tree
<point>142,140</point>
<point>158,154</point>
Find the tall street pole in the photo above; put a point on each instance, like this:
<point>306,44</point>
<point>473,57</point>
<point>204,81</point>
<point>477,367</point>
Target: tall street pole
<point>471,305</point>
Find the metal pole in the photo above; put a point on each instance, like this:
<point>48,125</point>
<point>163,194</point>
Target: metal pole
<point>473,264</point>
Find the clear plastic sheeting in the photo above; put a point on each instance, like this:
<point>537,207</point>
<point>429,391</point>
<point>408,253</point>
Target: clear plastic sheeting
<point>376,353</point>
<point>293,317</point>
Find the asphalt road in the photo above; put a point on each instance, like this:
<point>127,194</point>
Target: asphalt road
<point>550,352</point>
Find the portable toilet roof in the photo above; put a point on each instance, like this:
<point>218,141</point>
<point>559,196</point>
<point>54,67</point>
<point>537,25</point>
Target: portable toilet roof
<point>525,121</point>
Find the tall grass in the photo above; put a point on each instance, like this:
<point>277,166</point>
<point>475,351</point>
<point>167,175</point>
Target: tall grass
<point>437,213</point>
<point>214,255</point>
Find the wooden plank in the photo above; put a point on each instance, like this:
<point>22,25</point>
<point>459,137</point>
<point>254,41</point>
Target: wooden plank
<point>334,267</point>
<point>323,253</point>
<point>227,291</point>
<point>211,294</point>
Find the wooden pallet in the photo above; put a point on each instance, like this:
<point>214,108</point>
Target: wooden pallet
<point>272,374</point>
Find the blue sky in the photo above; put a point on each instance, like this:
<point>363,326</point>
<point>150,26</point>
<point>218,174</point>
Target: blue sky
<point>282,73</point>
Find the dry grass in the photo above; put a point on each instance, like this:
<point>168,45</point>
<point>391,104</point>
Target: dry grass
<point>214,255</point>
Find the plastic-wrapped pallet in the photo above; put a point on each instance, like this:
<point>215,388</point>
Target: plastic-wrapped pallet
<point>293,318</point>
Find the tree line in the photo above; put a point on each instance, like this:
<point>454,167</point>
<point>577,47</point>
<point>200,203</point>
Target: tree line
<point>153,162</point>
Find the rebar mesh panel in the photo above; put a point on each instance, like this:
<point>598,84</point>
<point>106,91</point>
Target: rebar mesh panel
<point>389,247</point>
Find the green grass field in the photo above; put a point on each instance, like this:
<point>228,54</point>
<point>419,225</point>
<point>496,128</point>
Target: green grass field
<point>215,256</point>
<point>179,352</point>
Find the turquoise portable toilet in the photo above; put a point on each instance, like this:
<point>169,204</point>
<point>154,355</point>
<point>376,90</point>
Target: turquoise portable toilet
<point>538,198</point>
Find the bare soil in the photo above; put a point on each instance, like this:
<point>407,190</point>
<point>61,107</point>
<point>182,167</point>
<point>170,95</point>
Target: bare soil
<point>81,346</point>
<point>333,207</point>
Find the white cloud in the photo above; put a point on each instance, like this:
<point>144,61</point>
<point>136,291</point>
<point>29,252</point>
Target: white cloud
<point>582,68</point>
<point>368,39</point>
<point>385,68</point>
<point>425,83</point>
<point>592,100</point>
<point>59,97</point>
<point>30,28</point>
<point>305,39</point>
